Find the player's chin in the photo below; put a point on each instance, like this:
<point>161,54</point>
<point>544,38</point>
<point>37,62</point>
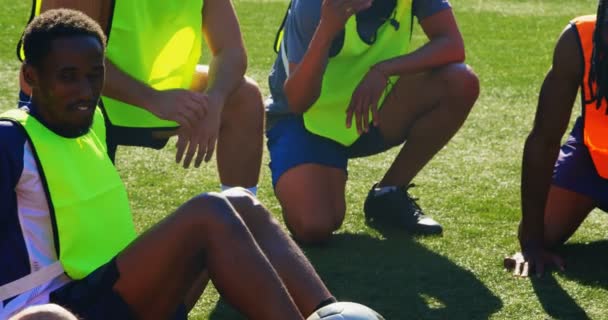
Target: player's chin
<point>81,126</point>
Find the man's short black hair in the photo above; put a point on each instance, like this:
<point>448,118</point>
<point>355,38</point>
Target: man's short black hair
<point>53,24</point>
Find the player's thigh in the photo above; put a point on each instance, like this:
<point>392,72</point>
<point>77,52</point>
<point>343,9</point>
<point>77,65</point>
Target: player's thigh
<point>564,213</point>
<point>412,96</point>
<point>159,268</point>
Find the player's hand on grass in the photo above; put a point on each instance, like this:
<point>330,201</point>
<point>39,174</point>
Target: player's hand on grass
<point>199,143</point>
<point>365,99</point>
<point>335,13</point>
<point>534,261</point>
<point>185,107</point>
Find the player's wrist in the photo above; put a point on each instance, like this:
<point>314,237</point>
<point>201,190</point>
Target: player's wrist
<point>380,71</point>
<point>150,101</point>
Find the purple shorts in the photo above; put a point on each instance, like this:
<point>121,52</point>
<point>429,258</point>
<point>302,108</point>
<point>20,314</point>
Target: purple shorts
<point>574,170</point>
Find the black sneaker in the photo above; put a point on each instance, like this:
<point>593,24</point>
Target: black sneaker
<point>398,206</point>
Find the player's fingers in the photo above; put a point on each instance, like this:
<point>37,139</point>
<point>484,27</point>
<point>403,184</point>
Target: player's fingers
<point>210,148</point>
<point>365,123</point>
<point>517,269</point>
<point>359,118</point>
<point>199,103</point>
<point>192,146</point>
<point>525,269</point>
<point>200,155</point>
<point>181,144</point>
<point>350,111</point>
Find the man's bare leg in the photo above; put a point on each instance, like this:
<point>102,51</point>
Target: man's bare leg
<point>427,110</point>
<point>312,199</point>
<point>564,213</point>
<point>240,142</point>
<point>296,272</point>
<point>158,269</point>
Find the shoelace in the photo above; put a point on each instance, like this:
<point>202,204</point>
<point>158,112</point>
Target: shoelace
<point>414,200</point>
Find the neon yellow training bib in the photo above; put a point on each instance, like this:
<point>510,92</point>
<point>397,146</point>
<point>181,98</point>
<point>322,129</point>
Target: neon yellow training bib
<point>327,116</point>
<point>157,42</point>
<point>89,208</point>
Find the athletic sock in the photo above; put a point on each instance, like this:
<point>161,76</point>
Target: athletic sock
<point>326,302</point>
<point>253,189</point>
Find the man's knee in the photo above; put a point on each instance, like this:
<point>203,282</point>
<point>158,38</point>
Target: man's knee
<point>210,212</point>
<point>247,98</point>
<point>313,229</point>
<point>244,109</point>
<point>461,81</point>
<point>247,205</point>
<point>44,312</point>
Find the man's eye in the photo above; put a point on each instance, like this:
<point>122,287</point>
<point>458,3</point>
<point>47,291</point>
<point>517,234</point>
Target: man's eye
<point>67,76</point>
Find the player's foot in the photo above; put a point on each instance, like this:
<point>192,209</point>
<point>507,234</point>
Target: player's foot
<point>396,205</point>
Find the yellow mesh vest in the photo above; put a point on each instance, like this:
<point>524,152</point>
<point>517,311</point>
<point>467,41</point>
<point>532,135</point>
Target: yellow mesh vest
<point>88,201</point>
<point>157,42</point>
<point>327,116</point>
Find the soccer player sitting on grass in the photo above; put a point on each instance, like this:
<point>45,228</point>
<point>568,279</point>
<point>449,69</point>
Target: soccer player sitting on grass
<point>66,230</point>
<point>345,85</point>
<point>560,187</point>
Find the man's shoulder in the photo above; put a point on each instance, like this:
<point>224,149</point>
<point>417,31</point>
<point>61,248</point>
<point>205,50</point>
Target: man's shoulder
<point>426,8</point>
<point>11,135</point>
<point>308,9</point>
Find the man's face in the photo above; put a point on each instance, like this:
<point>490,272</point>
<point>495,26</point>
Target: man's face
<point>68,84</point>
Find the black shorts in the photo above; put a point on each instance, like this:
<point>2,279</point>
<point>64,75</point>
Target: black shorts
<point>138,137</point>
<point>93,297</point>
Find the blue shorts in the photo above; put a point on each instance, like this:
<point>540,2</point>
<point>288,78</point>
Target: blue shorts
<point>291,145</point>
<point>574,169</point>
<point>93,297</point>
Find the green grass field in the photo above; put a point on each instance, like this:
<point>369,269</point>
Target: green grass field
<point>471,187</point>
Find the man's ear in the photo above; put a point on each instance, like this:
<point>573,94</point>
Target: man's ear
<point>29,75</point>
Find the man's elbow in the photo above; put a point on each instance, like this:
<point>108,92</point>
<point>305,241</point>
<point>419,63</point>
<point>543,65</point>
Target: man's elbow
<point>295,107</point>
<point>541,139</point>
<point>300,105</point>
<point>297,100</point>
<point>241,59</point>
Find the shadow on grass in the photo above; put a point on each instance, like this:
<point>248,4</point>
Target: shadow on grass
<point>397,277</point>
<point>587,264</point>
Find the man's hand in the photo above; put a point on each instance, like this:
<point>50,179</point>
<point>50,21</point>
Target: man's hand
<point>366,96</point>
<point>185,107</point>
<point>201,140</point>
<point>335,13</point>
<point>534,260</point>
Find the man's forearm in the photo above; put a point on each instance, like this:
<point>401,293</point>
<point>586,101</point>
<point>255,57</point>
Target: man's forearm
<point>121,86</point>
<point>303,86</point>
<point>226,71</point>
<point>537,169</point>
<point>436,53</point>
